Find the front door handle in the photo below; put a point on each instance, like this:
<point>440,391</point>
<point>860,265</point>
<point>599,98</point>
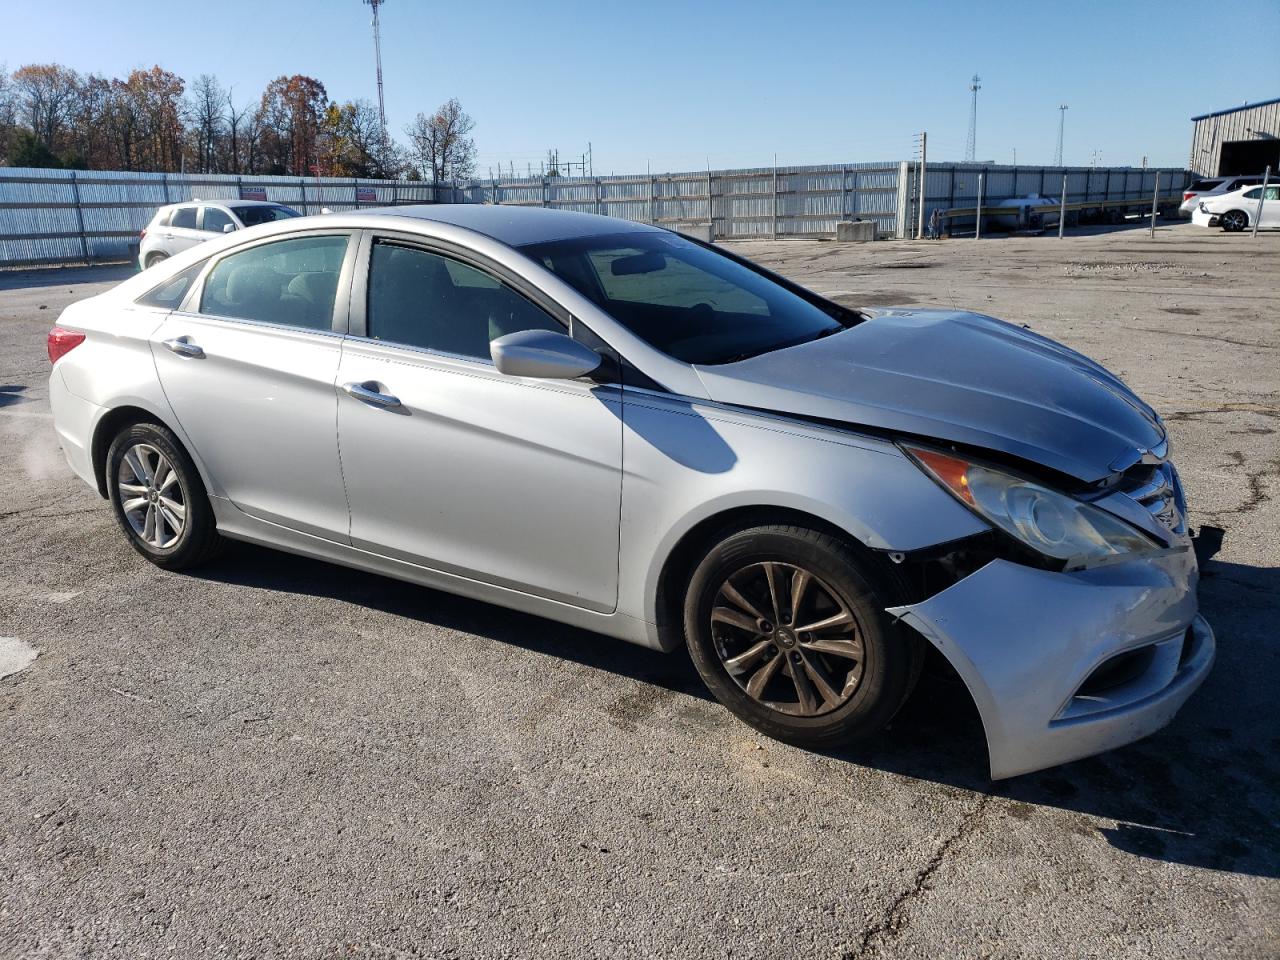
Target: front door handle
<point>184,347</point>
<point>365,392</point>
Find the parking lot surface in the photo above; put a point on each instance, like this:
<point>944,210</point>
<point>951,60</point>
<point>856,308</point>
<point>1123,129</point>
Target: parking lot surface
<point>275,757</point>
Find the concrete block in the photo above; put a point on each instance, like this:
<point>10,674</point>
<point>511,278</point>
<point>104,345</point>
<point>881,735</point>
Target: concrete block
<point>855,231</point>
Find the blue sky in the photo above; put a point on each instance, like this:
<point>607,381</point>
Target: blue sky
<point>681,84</point>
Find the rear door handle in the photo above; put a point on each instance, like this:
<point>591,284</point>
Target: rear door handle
<point>184,347</point>
<point>364,391</point>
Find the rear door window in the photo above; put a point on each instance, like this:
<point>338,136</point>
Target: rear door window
<point>184,217</point>
<point>289,282</point>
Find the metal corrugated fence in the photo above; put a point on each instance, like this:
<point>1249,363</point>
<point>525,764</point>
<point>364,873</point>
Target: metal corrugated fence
<point>53,216</point>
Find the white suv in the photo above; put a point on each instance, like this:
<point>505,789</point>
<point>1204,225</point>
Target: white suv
<point>177,226</point>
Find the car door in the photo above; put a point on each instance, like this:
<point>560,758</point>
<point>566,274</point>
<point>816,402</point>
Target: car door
<point>1270,219</point>
<point>183,231</point>
<point>450,464</point>
<point>248,366</point>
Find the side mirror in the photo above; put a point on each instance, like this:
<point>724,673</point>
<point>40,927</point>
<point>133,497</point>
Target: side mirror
<point>228,228</point>
<point>544,354</point>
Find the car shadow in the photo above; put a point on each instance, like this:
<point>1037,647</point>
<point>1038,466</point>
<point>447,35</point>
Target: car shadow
<point>12,393</point>
<point>1200,792</point>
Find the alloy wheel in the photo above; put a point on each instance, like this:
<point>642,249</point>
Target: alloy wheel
<point>151,496</point>
<point>787,639</point>
<point>1234,221</point>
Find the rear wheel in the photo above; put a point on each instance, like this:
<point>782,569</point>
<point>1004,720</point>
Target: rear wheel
<point>1233,221</point>
<point>158,498</point>
<point>787,628</point>
<point>154,258</point>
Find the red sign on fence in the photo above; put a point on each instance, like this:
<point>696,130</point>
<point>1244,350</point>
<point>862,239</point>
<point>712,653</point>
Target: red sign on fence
<point>366,195</point>
<point>253,193</point>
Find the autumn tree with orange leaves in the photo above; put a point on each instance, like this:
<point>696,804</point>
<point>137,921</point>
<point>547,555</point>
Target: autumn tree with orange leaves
<point>53,116</point>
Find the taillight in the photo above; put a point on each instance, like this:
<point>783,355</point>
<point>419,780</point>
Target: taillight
<point>143,234</point>
<point>62,341</point>
<point>1186,196</point>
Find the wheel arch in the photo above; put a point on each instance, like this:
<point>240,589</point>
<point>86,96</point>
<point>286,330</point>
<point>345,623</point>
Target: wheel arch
<point>692,545</point>
<point>115,420</point>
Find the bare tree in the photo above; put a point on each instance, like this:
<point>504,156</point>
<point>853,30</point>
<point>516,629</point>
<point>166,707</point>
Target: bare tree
<point>209,103</point>
<point>237,120</point>
<point>8,112</point>
<point>442,143</point>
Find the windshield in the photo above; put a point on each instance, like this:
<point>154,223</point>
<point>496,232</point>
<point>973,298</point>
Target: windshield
<point>252,216</point>
<point>687,301</point>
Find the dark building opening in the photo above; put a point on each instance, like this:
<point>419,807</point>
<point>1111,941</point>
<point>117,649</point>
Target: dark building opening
<point>1249,156</point>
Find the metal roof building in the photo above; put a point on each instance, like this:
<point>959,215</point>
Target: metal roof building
<point>1239,140</point>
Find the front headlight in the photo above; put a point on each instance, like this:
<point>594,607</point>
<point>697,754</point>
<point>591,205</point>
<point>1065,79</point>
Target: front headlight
<point>1050,523</point>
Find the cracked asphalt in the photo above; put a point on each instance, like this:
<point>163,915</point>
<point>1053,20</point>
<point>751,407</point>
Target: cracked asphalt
<point>278,758</point>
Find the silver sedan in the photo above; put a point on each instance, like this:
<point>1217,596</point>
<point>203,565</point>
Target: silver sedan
<point>620,428</point>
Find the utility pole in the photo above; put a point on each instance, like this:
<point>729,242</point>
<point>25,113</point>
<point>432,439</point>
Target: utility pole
<point>924,155</point>
<point>971,144</point>
<point>377,53</point>
<point>1062,122</point>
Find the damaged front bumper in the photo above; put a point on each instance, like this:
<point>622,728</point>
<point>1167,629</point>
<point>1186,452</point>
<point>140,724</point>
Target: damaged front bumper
<point>1065,665</point>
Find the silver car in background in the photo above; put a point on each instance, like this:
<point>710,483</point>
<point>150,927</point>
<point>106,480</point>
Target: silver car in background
<point>180,226</point>
<point>626,430</point>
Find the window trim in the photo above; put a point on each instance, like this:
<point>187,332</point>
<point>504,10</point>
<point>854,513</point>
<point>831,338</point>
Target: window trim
<point>342,296</point>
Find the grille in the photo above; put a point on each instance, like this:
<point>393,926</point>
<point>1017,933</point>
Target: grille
<point>1156,486</point>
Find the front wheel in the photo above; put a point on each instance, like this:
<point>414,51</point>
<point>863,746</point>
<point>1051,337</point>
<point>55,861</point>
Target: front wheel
<point>159,499</point>
<point>788,630</point>
<point>1234,221</point>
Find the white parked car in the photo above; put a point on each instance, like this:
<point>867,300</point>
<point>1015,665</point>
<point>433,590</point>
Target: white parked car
<point>1236,211</point>
<point>1213,187</point>
<point>179,226</point>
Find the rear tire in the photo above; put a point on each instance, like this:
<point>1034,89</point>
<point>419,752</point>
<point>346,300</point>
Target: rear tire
<point>154,258</point>
<point>820,674</point>
<point>159,499</point>
<point>1234,221</point>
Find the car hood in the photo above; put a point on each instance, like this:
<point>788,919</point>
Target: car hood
<point>954,376</point>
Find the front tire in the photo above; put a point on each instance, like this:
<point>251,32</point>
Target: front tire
<point>788,630</point>
<point>159,499</point>
<point>1234,221</point>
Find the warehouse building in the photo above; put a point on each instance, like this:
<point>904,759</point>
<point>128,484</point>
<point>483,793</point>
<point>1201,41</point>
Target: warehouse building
<point>1240,140</point>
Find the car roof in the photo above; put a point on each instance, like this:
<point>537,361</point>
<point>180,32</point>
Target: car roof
<point>516,225</point>
<point>225,202</point>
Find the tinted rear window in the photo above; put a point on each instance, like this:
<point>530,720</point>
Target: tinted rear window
<point>184,217</point>
<point>1201,186</point>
